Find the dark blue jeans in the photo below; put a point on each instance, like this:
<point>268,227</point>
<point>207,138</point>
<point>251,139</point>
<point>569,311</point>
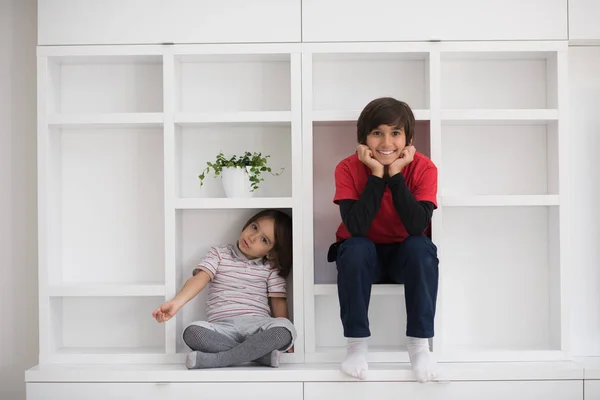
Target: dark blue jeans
<point>413,262</point>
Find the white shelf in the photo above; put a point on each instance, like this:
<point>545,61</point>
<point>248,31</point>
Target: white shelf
<point>233,82</point>
<point>376,290</point>
<point>101,120</point>
<point>107,290</point>
<point>500,115</point>
<point>377,354</point>
<point>233,117</point>
<point>505,242</point>
<point>498,80</point>
<point>298,372</point>
<point>591,365</point>
<point>110,350</point>
<point>112,84</point>
<point>500,201</point>
<point>230,203</point>
<point>349,80</point>
<point>470,354</point>
<point>115,356</point>
<point>528,168</point>
<point>352,115</point>
<point>195,145</point>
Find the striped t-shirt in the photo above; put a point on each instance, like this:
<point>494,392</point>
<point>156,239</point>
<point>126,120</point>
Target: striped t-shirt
<point>239,286</point>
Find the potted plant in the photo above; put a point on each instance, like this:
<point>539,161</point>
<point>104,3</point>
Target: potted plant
<point>240,175</point>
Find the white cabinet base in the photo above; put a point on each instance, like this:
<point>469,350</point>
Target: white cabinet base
<point>494,381</point>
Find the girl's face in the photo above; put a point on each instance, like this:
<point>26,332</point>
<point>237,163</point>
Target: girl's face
<point>386,142</point>
<point>257,240</point>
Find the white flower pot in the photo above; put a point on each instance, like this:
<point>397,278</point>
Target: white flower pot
<point>236,182</point>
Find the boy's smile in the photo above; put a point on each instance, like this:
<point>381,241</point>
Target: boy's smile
<point>387,153</point>
<point>386,143</point>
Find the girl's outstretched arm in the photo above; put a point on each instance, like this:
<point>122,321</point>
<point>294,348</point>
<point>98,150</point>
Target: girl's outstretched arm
<point>192,287</point>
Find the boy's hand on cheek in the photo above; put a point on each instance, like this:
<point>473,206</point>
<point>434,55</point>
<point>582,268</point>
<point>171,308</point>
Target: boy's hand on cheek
<point>365,155</point>
<point>406,157</point>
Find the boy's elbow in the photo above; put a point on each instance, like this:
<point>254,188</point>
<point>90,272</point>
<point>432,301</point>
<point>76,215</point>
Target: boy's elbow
<point>357,233</point>
<point>416,230</point>
<point>356,230</point>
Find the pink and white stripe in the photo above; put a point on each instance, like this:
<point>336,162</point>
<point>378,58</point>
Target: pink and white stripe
<point>239,286</point>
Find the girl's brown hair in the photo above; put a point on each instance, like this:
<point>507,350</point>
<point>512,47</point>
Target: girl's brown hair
<point>280,255</point>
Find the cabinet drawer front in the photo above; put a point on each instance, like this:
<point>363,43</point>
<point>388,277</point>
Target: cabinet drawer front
<point>236,391</point>
<point>592,390</point>
<point>96,391</point>
<point>343,20</point>
<point>164,391</point>
<point>516,390</point>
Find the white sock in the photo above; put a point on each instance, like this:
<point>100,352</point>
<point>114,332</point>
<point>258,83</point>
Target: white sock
<point>355,363</point>
<point>422,361</point>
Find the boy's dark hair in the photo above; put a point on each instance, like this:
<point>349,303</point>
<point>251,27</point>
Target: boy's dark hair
<point>385,111</point>
<point>281,253</point>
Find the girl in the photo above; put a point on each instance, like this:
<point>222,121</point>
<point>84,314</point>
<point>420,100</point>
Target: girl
<point>246,306</point>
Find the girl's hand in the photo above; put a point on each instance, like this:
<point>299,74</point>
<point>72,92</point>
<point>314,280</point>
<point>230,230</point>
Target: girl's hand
<point>365,155</point>
<point>166,311</point>
<point>291,350</point>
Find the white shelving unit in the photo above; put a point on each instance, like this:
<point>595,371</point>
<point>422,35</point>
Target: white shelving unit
<point>338,81</point>
<point>100,203</point>
<point>124,132</point>
<point>491,116</point>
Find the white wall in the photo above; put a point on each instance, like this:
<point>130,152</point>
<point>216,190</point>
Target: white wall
<point>585,186</point>
<point>18,241</point>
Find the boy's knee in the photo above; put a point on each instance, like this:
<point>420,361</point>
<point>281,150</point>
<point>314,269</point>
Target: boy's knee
<point>356,254</point>
<point>419,245</point>
<point>421,251</point>
<point>356,247</point>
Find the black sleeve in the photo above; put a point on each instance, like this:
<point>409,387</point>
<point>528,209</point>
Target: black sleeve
<point>358,215</point>
<point>415,215</point>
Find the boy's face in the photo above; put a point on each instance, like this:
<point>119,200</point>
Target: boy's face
<point>258,238</point>
<point>386,142</point>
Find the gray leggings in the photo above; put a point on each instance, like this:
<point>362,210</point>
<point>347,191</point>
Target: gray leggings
<point>213,349</point>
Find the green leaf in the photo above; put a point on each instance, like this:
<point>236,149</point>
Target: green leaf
<point>256,162</point>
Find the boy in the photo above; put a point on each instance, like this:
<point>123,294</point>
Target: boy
<point>386,193</point>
